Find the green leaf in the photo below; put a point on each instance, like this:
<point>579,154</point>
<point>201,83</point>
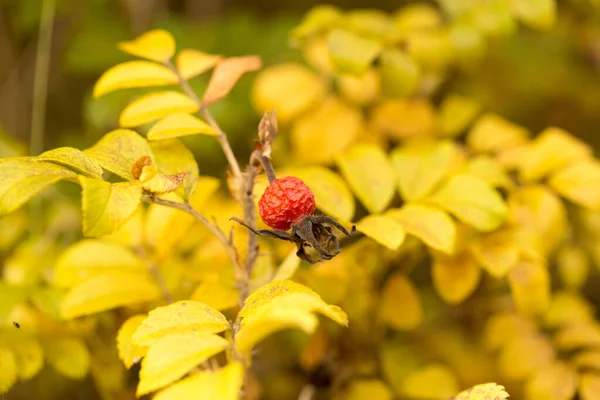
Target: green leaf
<point>351,52</point>
<point>73,158</point>
<point>118,150</point>
<point>155,106</point>
<point>8,366</point>
<point>172,157</point>
<point>472,201</point>
<point>179,317</point>
<point>384,230</point>
<point>400,75</point>
<point>108,291</point>
<point>421,167</point>
<point>21,179</point>
<point>369,173</point>
<point>69,356</point>
<point>175,355</point>
<point>107,206</point>
<point>88,258</point>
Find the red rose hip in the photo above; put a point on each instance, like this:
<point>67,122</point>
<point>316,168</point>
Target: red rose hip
<point>286,201</point>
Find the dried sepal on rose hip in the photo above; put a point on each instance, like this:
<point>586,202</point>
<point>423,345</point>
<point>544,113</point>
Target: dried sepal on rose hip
<point>288,203</point>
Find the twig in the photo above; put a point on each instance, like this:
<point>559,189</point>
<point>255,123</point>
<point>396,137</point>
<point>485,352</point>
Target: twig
<point>307,392</point>
<point>153,268</point>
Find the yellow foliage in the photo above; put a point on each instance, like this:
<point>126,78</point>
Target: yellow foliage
<point>129,353</point>
<point>179,124</point>
<point>400,290</point>
<point>133,74</point>
<point>384,230</point>
<point>455,278</point>
<point>155,106</point>
<point>156,45</point>
<point>191,62</point>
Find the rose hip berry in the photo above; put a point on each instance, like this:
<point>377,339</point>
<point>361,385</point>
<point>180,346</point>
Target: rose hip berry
<point>286,201</point>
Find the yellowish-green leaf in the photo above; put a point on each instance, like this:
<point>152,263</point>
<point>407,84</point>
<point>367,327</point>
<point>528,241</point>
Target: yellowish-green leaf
<point>129,353</point>
<point>400,75</point>
<point>530,287</point>
<point>172,157</point>
<point>180,124</point>
<point>8,366</point>
<point>455,278</point>
<point>555,381</point>
<point>11,296</point>
<point>21,179</point>
<point>404,118</point>
<point>88,258</point>
<point>317,20</point>
<point>226,74</point>
<point>216,294</point>
<point>351,52</point>
<point>417,16</point>
<point>497,252</point>
<point>400,305</point>
<point>155,106</point>
<point>553,149</point>
<point>584,334</point>
<point>568,308</point>
<point>156,45</point>
<point>456,113</point>
<point>321,134</point>
<point>488,170</point>
<point>483,391</point>
<point>108,291</point>
<point>430,224</point>
<point>132,74</point>
<point>573,266</point>
<point>369,173</point>
<point>431,382</point>
<point>29,357</point>
<point>539,14</point>
<point>579,183</point>
<point>372,23</point>
<point>360,89</point>
<point>118,150</point>
<point>73,158</point>
<point>154,182</point>
<point>107,206</point>
<point>384,230</point>
<point>273,85</point>
<point>368,389</point>
<point>268,292</point>
<point>175,355</point>
<point>69,356</point>
<point>422,166</point>
<point>472,201</point>
<point>533,352</point>
<point>223,384</point>
<point>191,63</point>
<point>491,133</point>
<point>179,317</point>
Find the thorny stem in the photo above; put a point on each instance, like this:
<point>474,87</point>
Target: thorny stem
<point>153,268</point>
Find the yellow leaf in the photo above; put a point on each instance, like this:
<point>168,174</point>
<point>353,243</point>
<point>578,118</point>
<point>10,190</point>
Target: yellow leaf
<point>370,23</point>
<point>156,45</point>
<point>72,158</point>
<point>416,17</point>
<point>179,317</point>
<point>8,366</point>
<point>272,88</point>
<point>118,150</point>
<point>430,224</point>
<point>530,287</point>
<point>129,353</point>
<point>456,113</point>
<point>191,63</point>
<point>172,157</point>
<point>107,206</point>
<point>579,183</point>
<point>497,252</point>
<point>432,49</point>
<point>587,359</point>
<point>156,183</point>
<point>226,74</point>
<point>555,381</point>
<point>21,179</point>
<point>29,357</point>
<point>351,52</point>
<point>553,149</point>
<point>400,74</point>
<point>288,267</point>
<point>533,352</point>
<point>264,294</point>
<point>132,74</point>
<point>421,167</point>
<point>180,124</point>
<point>492,133</point>
<point>433,381</point>
<point>155,106</point>
<point>361,90</point>
<point>319,135</point>
<point>400,305</point>
<point>538,14</point>
<point>369,173</point>
<point>568,308</point>
<point>368,389</point>
<point>483,391</point>
<point>573,266</point>
<point>455,278</point>
<point>589,386</point>
<point>69,356</point>
<point>384,230</point>
<point>108,291</point>
<point>583,334</point>
<point>216,294</point>
<point>223,384</point>
<point>175,355</point>
<point>488,170</point>
<point>89,258</point>
<point>504,327</point>
<point>404,118</point>
<point>318,19</point>
<point>472,201</point>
